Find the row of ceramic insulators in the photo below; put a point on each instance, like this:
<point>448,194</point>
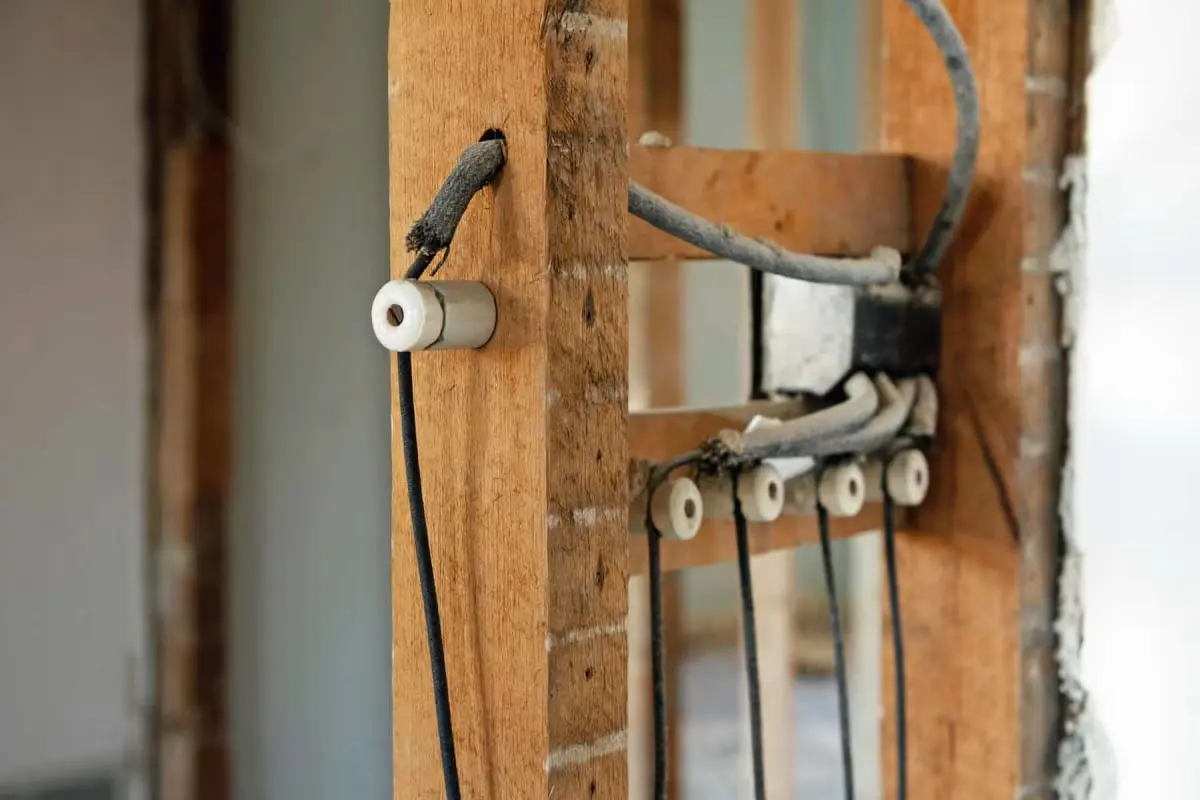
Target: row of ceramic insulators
<point>435,315</point>
<point>680,505</point>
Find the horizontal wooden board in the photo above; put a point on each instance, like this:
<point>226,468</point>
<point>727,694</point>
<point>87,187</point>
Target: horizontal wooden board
<point>660,434</point>
<point>831,204</point>
<point>717,543</point>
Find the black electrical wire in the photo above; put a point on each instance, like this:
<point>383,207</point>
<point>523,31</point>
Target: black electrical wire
<point>749,642</point>
<point>658,650</point>
<point>658,655</point>
<point>889,542</point>
<point>479,164</point>
<point>433,623</point>
<point>839,651</point>
<point>416,505</point>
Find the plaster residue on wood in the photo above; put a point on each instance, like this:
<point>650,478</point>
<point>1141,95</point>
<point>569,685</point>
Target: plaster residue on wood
<point>1086,763</point>
<point>1067,257</point>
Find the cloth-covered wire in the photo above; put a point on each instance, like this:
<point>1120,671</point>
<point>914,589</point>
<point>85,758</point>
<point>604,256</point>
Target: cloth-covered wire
<point>884,264</point>
<point>478,166</point>
<point>433,623</point>
<point>878,432</point>
<point>949,41</point>
<point>839,652</point>
<point>893,579</point>
<point>777,441</point>
<point>658,650</point>
<point>658,654</point>
<point>749,642</point>
<point>882,267</point>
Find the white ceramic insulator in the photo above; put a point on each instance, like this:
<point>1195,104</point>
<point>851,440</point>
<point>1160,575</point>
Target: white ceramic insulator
<point>843,490</point>
<point>434,315</point>
<point>908,478</point>
<point>761,491</point>
<point>677,509</point>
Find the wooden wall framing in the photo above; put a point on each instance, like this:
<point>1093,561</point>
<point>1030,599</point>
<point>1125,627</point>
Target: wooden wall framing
<point>188,186</point>
<point>978,563</point>
<point>979,567</point>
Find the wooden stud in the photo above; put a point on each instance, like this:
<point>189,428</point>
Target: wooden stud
<point>524,442</point>
<point>655,103</point>
<point>1058,49</point>
<point>833,204</point>
<point>977,583</point>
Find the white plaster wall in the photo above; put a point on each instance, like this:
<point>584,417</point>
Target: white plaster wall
<point>312,497</point>
<point>1135,421</point>
<point>72,385</point>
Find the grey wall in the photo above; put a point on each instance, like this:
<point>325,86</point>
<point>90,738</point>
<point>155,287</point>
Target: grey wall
<point>311,687</point>
<point>72,386</point>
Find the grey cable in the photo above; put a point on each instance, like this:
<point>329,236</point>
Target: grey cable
<point>849,415</point>
<point>476,167</point>
<point>949,41</point>
<point>723,241</point>
<point>877,433</point>
<point>883,266</point>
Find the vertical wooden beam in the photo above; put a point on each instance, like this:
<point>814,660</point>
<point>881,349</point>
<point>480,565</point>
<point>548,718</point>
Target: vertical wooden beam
<point>774,75</point>
<point>523,443</point>
<point>1054,80</point>
<point>977,582</point>
<point>189,188</point>
<point>655,103</point>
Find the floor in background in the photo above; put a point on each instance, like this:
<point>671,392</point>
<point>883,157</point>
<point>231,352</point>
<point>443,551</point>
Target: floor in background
<point>712,706</point>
